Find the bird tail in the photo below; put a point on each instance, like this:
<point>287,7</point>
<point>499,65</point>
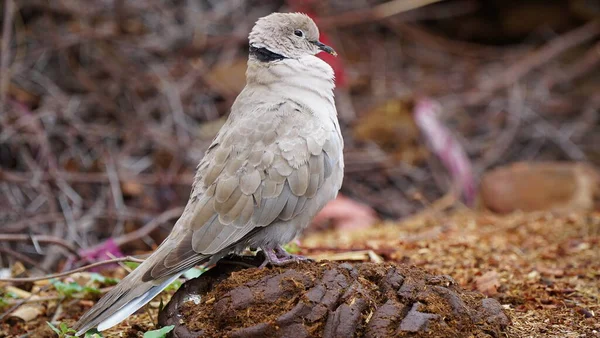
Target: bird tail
<point>123,300</point>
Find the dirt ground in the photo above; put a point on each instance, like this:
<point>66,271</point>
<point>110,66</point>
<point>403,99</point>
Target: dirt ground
<point>330,299</point>
<point>543,268</point>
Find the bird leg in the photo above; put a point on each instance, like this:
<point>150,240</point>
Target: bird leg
<point>278,256</point>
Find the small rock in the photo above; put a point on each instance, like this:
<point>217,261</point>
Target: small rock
<point>555,186</point>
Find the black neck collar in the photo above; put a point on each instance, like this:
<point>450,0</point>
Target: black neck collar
<point>264,55</point>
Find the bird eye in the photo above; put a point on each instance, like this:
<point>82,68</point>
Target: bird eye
<point>299,33</point>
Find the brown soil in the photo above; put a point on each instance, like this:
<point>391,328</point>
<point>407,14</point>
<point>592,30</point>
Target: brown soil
<point>330,299</point>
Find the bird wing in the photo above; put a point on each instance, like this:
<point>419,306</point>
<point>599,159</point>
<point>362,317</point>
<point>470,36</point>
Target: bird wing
<point>263,167</point>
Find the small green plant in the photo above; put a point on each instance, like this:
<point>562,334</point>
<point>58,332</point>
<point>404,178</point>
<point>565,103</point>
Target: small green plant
<point>174,286</point>
<point>71,288</point>
<point>63,330</point>
<point>96,277</point>
<point>160,333</point>
<point>4,299</point>
<point>292,247</point>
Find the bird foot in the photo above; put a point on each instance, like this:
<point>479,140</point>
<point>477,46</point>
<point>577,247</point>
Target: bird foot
<point>278,256</point>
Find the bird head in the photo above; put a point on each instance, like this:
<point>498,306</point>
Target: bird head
<point>286,35</point>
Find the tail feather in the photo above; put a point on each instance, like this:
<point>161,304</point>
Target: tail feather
<point>134,291</point>
<point>123,300</point>
<point>134,305</point>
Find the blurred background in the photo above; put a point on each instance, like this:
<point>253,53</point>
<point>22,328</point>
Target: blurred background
<point>107,106</point>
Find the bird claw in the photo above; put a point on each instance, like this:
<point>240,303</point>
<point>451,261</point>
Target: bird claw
<point>278,257</point>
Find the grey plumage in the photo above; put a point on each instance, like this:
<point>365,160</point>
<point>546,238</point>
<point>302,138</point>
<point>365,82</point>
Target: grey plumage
<point>273,165</point>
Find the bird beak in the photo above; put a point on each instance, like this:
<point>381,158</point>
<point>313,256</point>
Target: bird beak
<point>324,47</point>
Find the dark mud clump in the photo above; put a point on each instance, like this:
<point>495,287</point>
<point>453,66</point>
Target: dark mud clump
<point>329,299</point>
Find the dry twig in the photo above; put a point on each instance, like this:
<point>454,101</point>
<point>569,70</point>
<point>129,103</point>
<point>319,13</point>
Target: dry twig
<point>536,59</point>
<point>66,273</point>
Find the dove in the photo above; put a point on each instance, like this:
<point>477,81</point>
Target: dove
<point>274,164</point>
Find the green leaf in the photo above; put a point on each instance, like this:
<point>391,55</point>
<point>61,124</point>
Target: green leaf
<point>63,330</point>
<point>67,289</point>
<point>160,333</point>
<point>54,328</point>
<point>131,265</point>
<point>93,333</point>
<point>174,286</point>
<point>292,247</point>
<point>4,298</point>
<point>91,290</point>
<point>71,288</point>
<point>96,277</point>
<point>193,273</point>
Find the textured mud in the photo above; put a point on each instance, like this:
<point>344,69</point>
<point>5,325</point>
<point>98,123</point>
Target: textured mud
<point>327,299</point>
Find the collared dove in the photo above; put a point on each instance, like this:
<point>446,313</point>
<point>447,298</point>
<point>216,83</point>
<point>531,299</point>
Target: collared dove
<point>273,165</point>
